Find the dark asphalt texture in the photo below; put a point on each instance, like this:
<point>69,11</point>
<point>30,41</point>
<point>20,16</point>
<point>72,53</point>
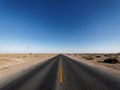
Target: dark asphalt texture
<point>43,77</point>
<point>76,76</point>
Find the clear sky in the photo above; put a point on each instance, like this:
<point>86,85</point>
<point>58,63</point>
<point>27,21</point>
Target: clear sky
<point>59,26</point>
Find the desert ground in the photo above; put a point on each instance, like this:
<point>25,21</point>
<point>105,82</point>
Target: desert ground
<point>9,60</point>
<point>108,62</point>
<point>59,72</point>
<point>12,64</point>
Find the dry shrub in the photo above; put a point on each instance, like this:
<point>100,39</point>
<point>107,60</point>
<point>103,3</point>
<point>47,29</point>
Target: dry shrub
<point>98,56</point>
<point>83,57</point>
<point>111,60</point>
<point>88,57</point>
<point>106,55</point>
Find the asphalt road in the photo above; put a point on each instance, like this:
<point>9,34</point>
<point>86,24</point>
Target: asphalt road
<point>43,77</point>
<point>64,73</point>
<point>78,76</point>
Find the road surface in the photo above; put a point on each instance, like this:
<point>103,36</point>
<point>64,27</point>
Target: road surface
<point>64,73</point>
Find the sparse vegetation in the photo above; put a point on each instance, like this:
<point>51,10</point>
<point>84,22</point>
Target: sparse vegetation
<point>111,60</point>
<point>98,56</point>
<point>106,55</point>
<point>89,58</point>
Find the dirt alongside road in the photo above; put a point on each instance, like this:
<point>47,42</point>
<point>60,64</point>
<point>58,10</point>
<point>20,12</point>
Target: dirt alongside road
<point>12,65</point>
<point>97,62</point>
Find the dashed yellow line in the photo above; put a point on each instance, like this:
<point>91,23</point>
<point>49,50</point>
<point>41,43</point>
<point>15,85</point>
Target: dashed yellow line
<point>61,75</point>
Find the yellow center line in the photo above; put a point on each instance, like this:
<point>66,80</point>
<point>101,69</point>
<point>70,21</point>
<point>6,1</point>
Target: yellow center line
<point>61,75</point>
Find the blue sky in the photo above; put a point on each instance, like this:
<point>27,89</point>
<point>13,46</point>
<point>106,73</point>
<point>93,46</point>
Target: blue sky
<point>49,26</point>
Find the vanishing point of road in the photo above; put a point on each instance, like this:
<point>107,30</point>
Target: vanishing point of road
<point>64,73</point>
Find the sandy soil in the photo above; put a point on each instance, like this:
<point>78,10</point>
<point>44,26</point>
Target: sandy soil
<point>13,64</point>
<point>98,62</point>
<point>9,60</point>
